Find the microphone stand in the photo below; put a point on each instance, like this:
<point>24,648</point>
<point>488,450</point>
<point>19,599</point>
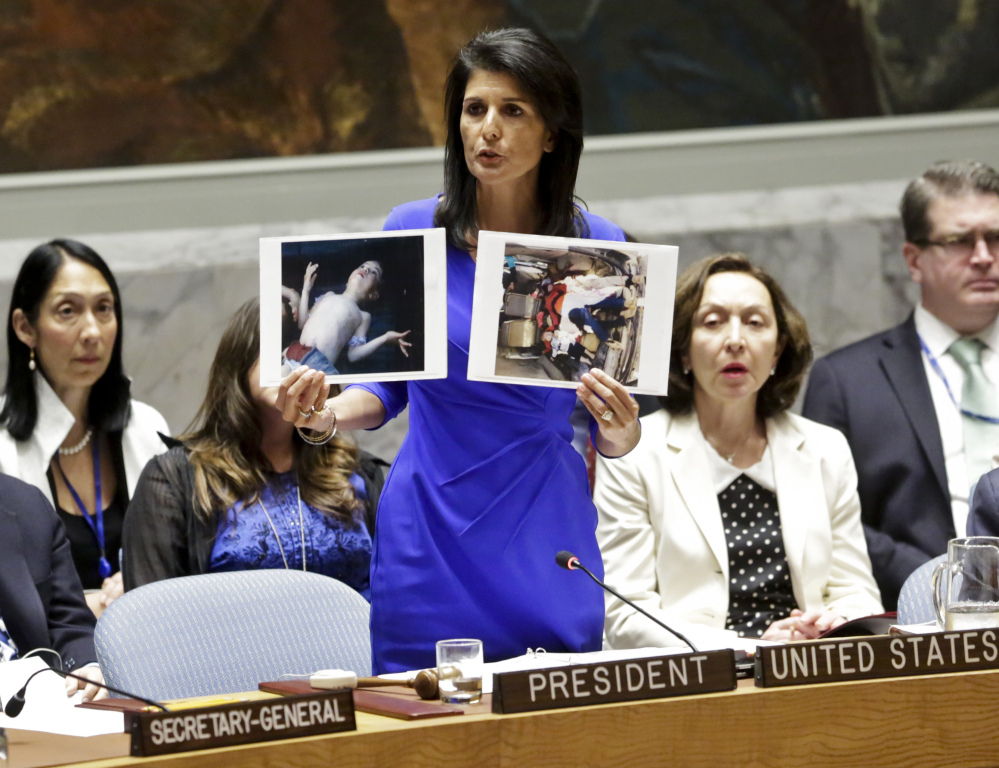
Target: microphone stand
<point>16,703</point>
<point>573,562</point>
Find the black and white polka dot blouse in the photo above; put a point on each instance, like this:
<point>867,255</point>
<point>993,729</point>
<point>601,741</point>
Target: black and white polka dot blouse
<point>759,582</point>
<point>759,585</point>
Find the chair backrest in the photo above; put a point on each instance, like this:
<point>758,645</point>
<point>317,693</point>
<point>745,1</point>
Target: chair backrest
<point>227,632</point>
<point>915,601</point>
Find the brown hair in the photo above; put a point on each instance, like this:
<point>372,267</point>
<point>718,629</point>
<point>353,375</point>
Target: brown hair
<point>781,389</point>
<point>224,438</point>
<point>950,179</point>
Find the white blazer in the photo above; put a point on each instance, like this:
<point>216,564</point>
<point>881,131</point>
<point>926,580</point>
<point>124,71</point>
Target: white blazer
<point>29,460</point>
<point>663,544</point>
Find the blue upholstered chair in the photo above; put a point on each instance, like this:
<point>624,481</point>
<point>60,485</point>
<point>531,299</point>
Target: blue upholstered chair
<point>915,601</point>
<point>227,632</point>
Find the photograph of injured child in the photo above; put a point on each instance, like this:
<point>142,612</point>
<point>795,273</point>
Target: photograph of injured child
<point>353,306</point>
<point>566,311</point>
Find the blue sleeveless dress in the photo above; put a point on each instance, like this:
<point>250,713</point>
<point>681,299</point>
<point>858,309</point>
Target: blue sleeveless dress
<point>485,490</point>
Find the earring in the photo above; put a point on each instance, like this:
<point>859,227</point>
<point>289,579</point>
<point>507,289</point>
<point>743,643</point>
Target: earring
<point>31,360</point>
<point>686,370</point>
<point>773,370</point>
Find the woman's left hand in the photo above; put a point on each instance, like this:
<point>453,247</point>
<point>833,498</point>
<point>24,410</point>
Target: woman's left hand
<point>614,409</point>
<point>803,625</point>
<point>811,624</point>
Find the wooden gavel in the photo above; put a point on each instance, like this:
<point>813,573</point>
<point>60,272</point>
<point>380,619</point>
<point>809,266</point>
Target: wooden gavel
<point>425,683</point>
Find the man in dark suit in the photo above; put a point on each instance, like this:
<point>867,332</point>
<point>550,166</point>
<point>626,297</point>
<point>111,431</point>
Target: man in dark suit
<point>983,520</point>
<point>901,397</point>
<point>41,600</point>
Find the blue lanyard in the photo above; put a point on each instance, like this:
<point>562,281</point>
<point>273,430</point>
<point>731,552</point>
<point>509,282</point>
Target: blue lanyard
<point>98,528</point>
<point>939,371</point>
<point>8,651</point>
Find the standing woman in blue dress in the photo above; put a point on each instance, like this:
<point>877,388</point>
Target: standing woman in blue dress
<point>487,486</point>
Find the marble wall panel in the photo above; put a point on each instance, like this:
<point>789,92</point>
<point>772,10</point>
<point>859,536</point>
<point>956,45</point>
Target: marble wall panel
<point>831,272</point>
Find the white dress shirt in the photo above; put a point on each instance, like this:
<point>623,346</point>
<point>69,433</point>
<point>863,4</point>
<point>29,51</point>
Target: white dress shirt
<point>938,336</point>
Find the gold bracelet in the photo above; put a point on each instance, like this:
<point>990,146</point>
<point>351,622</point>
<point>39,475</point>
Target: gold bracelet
<point>326,436</point>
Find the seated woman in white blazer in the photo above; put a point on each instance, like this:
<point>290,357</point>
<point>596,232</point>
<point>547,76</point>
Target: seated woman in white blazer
<point>733,517</point>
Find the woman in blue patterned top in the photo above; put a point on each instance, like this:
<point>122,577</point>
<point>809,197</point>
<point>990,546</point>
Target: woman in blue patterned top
<point>241,491</point>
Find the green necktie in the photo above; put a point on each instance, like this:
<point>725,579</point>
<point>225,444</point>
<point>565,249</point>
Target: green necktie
<point>981,439</point>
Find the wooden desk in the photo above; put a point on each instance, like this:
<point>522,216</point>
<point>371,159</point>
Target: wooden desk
<point>933,721</point>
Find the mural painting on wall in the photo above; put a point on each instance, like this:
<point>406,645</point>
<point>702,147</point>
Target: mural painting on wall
<point>675,64</point>
<point>98,83</point>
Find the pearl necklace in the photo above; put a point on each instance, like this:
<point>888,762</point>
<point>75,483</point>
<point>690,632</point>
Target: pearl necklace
<point>79,446</point>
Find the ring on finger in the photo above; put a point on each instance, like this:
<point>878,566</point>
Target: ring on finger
<point>607,415</point>
<point>307,414</point>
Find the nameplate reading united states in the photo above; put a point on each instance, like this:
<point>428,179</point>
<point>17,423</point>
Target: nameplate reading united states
<point>827,661</point>
<point>161,733</point>
<point>581,685</point>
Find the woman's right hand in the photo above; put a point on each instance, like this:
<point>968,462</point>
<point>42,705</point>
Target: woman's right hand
<point>783,631</point>
<point>306,388</point>
<point>301,398</point>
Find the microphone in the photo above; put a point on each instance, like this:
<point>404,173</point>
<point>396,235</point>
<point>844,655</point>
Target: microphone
<point>16,703</point>
<point>570,562</point>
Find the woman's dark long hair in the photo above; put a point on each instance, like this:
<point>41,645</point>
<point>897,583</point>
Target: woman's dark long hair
<point>109,407</point>
<point>224,439</point>
<point>541,70</point>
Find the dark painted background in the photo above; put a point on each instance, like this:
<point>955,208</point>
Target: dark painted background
<point>96,83</point>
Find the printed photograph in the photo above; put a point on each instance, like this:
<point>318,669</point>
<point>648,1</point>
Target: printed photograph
<point>353,306</point>
<point>566,306</point>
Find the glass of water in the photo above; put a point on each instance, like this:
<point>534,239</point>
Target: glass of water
<point>459,670</point>
<point>966,585</point>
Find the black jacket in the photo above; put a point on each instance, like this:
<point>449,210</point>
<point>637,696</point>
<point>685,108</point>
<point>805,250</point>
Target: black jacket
<point>876,393</point>
<point>41,599</point>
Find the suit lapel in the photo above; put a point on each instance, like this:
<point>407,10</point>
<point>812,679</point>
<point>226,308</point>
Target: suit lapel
<point>902,362</point>
<point>799,490</point>
<point>692,477</point>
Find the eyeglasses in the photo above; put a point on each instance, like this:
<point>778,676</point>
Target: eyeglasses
<point>963,245</point>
